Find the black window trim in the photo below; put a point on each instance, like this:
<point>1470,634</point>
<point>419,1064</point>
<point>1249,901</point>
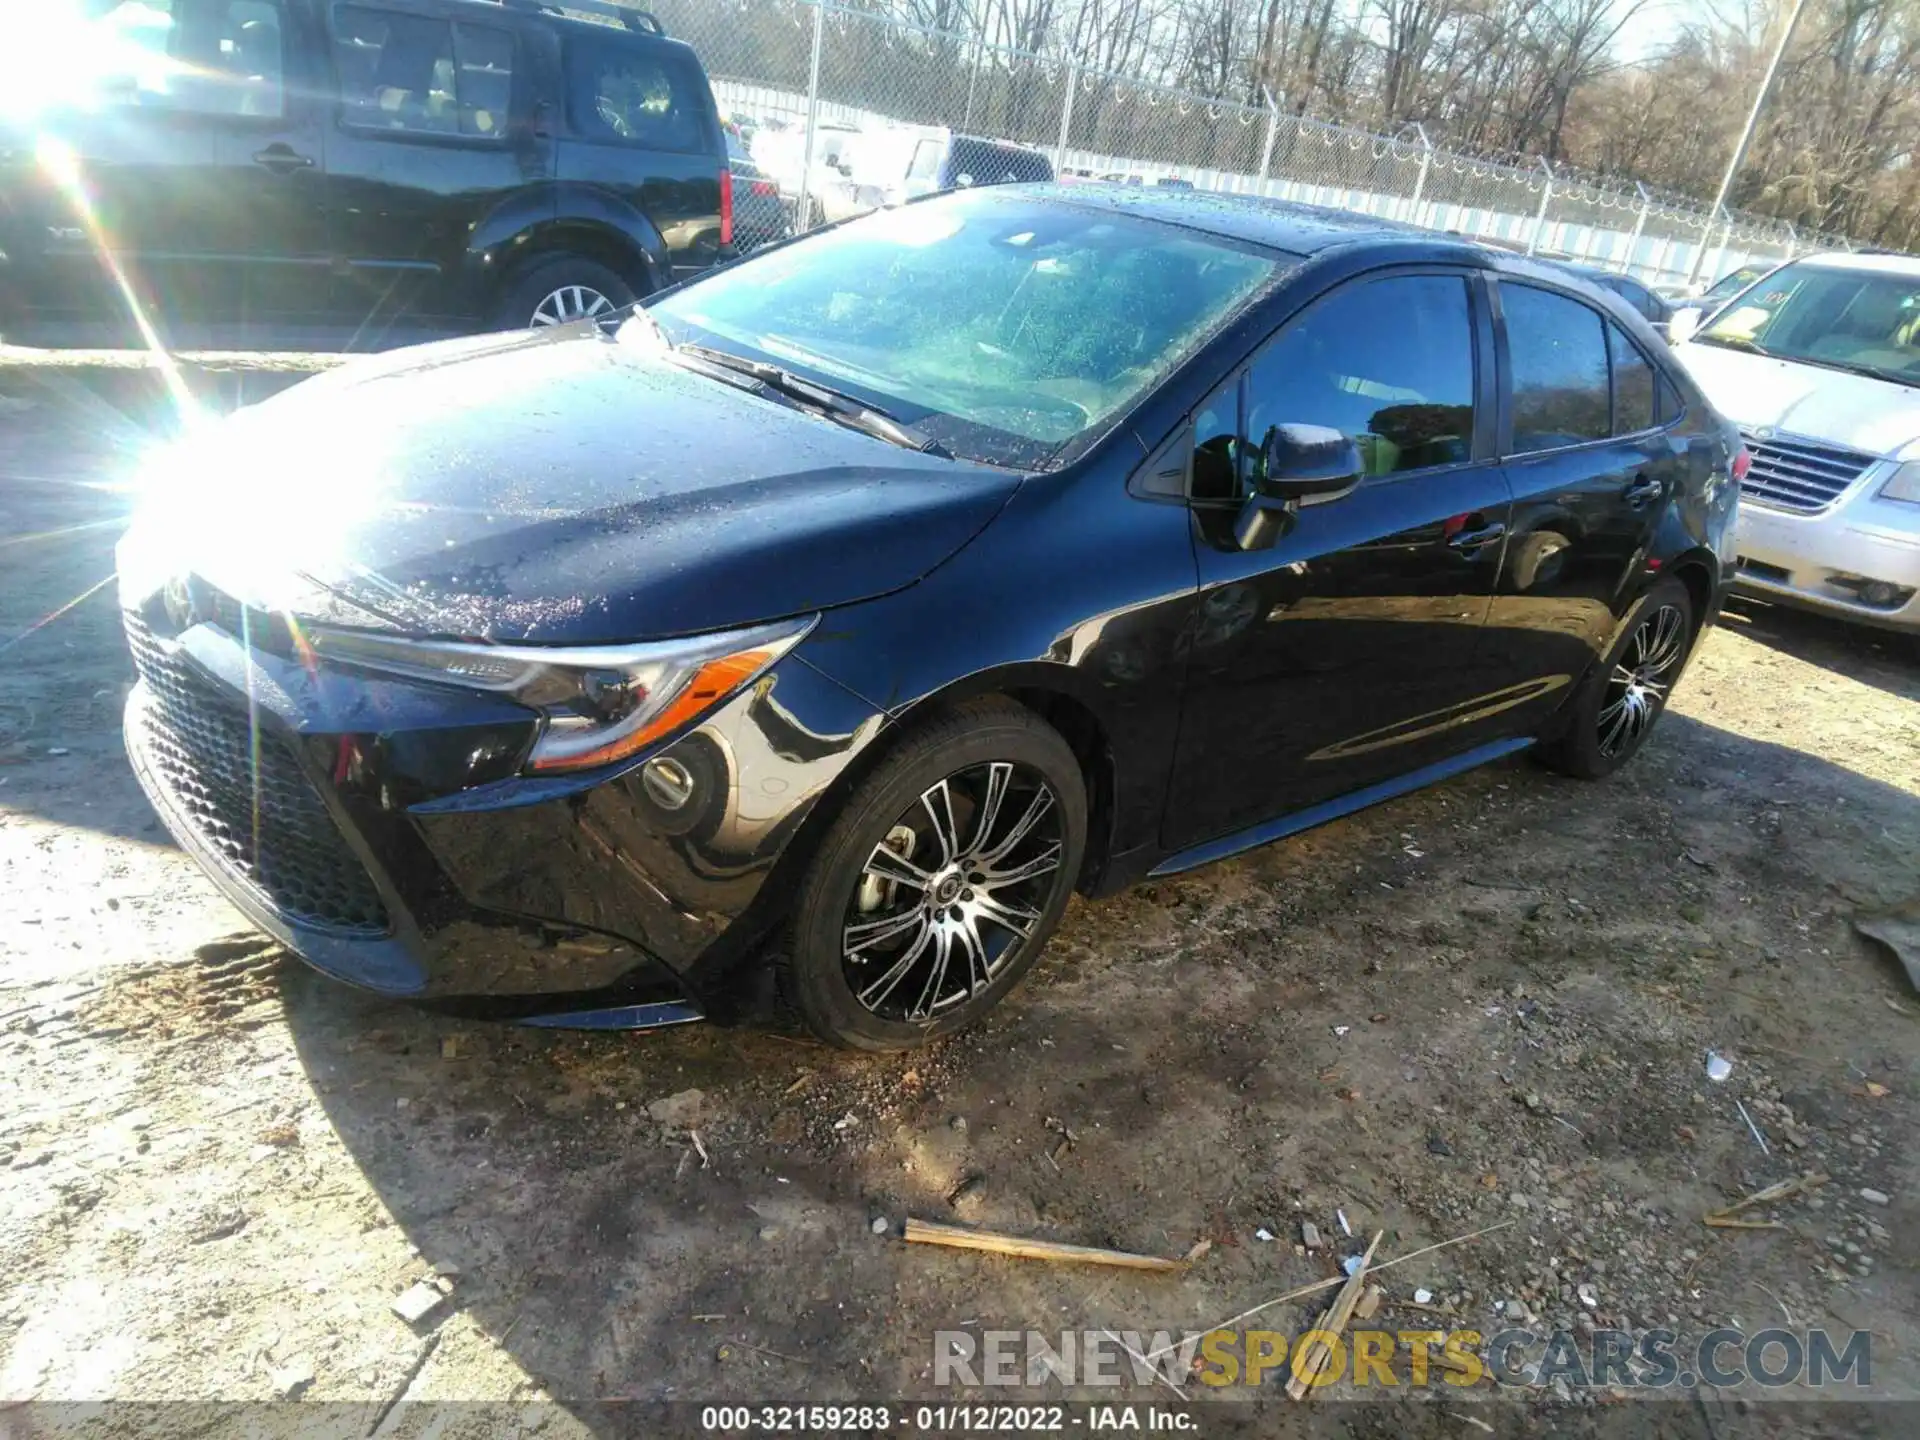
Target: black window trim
<point>1504,362</point>
<point>1479,328</point>
<point>440,14</point>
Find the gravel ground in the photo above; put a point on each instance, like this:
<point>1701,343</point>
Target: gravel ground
<point>1485,1005</point>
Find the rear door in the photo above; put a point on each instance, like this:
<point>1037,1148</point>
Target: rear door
<point>1591,465</point>
<point>427,141</point>
<point>1344,653</point>
<point>642,128</point>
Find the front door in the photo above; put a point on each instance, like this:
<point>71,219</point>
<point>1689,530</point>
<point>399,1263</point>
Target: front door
<point>1591,467</point>
<point>1343,653</point>
<point>129,211</point>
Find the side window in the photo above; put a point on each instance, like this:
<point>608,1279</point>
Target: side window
<point>925,164</point>
<point>1216,434</point>
<point>396,71</point>
<point>208,57</point>
<point>1558,350</point>
<point>1390,362</point>
<point>639,97</point>
<point>1668,406</point>
<point>1633,382</point>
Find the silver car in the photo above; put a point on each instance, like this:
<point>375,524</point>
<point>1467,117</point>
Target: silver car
<point>1818,363</point>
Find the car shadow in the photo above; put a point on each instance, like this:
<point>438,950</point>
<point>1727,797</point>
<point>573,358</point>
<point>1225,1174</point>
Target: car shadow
<point>1885,659</point>
<point>614,1257</point>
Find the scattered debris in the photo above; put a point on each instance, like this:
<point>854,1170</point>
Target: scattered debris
<point>1723,1218</point>
<point>678,1110</point>
<point>1310,1235</point>
<point>1589,1297</point>
<point>705,1160</point>
<point>1370,1299</point>
<point>1333,1324</point>
<point>846,1121</point>
<point>1873,1090</point>
<point>1758,1138</point>
<point>417,1302</point>
<point>959,1124</point>
<point>1352,1264</point>
<point>1898,930</point>
<point>449,1047</point>
<point>1718,1066</point>
<point>1263,1234</point>
<point>925,1232</point>
<point>1199,1250</point>
<point>879,1225</point>
<point>1423,1296</point>
<point>293,1377</point>
<point>1345,1228</point>
<point>805,1079</point>
<point>1340,1031</point>
<point>1437,1144</point>
<point>1875,1197</point>
<point>969,1188</point>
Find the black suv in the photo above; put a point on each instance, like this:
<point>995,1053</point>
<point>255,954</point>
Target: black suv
<point>357,175</point>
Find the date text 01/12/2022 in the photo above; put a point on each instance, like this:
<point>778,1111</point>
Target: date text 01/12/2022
<point>945,1419</point>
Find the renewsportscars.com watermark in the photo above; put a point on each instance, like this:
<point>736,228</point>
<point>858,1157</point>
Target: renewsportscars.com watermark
<point>1378,1359</point>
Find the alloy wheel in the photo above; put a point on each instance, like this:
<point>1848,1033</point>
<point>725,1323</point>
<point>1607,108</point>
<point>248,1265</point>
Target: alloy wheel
<point>1641,678</point>
<point>570,303</point>
<point>953,890</point>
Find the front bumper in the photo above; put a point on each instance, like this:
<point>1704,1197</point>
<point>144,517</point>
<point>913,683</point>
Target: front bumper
<point>334,811</point>
<point>1824,561</point>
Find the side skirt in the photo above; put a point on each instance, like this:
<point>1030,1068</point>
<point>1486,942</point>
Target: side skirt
<point>1270,830</point>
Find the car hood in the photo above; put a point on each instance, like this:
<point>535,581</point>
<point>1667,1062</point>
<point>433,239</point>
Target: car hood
<point>554,487</point>
<point>1856,411</point>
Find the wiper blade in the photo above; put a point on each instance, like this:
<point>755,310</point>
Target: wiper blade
<point>836,404</point>
<point>1735,342</point>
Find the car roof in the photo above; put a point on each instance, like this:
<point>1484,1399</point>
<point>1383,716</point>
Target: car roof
<point>1880,263</point>
<point>1284,225</point>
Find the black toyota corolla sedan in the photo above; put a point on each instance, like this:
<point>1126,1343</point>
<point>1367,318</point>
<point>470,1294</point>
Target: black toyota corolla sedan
<point>851,607</point>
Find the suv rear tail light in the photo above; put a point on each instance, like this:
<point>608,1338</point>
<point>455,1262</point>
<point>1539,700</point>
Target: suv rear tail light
<point>726,207</point>
<point>764,188</point>
<point>1742,462</point>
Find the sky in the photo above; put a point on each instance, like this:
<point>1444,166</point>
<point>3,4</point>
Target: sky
<point>1658,21</point>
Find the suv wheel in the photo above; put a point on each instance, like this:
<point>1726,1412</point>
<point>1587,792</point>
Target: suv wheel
<point>939,883</point>
<point>560,290</point>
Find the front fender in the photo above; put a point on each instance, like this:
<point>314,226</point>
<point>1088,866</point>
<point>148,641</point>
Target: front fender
<point>567,215</point>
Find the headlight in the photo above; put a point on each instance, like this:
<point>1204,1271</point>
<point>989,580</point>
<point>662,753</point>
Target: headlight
<point>601,703</point>
<point>1905,484</point>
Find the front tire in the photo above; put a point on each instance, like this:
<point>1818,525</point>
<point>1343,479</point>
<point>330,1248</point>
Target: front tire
<point>940,882</point>
<point>1623,698</point>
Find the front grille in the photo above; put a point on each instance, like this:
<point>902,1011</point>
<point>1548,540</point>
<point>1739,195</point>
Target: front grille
<point>249,803</point>
<point>1802,475</point>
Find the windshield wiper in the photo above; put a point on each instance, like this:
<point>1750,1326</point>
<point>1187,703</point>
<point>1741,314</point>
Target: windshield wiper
<point>1872,372</point>
<point>835,404</point>
<point>1735,342</point>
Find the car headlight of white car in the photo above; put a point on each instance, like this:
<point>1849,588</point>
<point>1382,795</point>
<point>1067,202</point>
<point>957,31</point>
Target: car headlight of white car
<point>1904,484</point>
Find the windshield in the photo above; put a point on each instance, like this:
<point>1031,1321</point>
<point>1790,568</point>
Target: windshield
<point>1002,325</point>
<point>1846,319</point>
<point>1732,283</point>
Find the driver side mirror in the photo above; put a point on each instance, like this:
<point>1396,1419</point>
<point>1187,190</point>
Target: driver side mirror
<point>1299,465</point>
<point>1683,324</point>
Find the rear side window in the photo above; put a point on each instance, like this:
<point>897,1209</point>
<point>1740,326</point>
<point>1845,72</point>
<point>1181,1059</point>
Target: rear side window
<point>1557,348</point>
<point>1388,362</point>
<point>925,164</point>
<point>981,162</point>
<point>415,73</point>
<point>1633,385</point>
<point>208,57</point>
<point>632,96</point>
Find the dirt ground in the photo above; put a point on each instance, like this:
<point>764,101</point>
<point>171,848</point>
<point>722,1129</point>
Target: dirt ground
<point>1485,1005</point>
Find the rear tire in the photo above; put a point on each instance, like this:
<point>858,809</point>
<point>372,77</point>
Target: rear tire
<point>1623,697</point>
<point>911,923</point>
<point>558,289</point>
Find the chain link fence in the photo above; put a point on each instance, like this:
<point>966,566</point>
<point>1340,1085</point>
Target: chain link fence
<point>828,106</point>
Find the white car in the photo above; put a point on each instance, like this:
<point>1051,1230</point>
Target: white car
<point>1818,363</point>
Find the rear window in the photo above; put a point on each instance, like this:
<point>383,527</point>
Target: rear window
<point>981,162</point>
<point>630,95</point>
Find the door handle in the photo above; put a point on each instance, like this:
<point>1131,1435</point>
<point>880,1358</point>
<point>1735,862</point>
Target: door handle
<point>282,159</point>
<point>1474,539</point>
<point>1643,489</point>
